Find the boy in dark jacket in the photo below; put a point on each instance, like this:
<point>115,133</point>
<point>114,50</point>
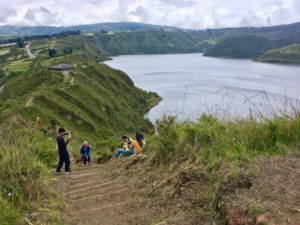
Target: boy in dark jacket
<point>63,153</point>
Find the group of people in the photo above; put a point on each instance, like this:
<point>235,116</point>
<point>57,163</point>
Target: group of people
<point>130,147</point>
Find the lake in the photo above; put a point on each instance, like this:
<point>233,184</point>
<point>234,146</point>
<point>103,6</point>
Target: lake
<point>191,84</point>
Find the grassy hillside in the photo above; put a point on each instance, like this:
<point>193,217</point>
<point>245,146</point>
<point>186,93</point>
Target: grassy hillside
<point>93,100</point>
<point>241,47</point>
<point>280,32</point>
<point>289,54</point>
<point>199,164</point>
<point>153,42</point>
<point>95,46</point>
<point>99,46</point>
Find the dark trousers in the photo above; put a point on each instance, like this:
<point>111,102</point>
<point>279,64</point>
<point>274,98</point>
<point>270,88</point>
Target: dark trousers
<point>86,158</point>
<point>63,159</point>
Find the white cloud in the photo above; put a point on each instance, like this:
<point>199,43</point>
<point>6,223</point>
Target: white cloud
<point>197,14</point>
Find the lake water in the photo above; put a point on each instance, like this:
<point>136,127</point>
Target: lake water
<point>191,84</point>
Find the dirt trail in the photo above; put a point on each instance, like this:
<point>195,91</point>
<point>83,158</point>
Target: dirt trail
<point>93,197</point>
<point>274,194</point>
<point>130,192</point>
<point>29,52</point>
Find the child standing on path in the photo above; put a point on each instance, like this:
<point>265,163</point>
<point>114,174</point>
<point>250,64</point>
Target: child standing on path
<point>85,152</point>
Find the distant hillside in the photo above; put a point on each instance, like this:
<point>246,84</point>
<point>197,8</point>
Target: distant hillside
<point>288,54</point>
<point>98,46</point>
<point>274,33</point>
<point>280,32</point>
<point>151,42</point>
<point>241,47</point>
<point>9,30</point>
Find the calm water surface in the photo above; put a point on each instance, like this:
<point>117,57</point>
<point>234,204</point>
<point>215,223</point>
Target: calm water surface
<point>191,84</point>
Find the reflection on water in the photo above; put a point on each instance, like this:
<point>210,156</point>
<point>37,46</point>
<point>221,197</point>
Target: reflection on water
<point>191,84</point>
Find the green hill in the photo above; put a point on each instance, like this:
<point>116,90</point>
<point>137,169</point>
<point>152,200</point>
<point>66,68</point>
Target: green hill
<point>241,47</point>
<point>288,54</point>
<point>153,42</point>
<point>99,46</point>
<point>94,100</point>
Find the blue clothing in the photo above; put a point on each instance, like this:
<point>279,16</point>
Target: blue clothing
<point>122,151</point>
<point>85,150</point>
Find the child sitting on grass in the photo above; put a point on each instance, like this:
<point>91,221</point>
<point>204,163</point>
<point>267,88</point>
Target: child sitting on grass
<point>125,150</point>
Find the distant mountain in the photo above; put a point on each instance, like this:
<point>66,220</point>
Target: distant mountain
<point>241,47</point>
<point>274,32</point>
<point>288,54</point>
<point>9,30</point>
<point>137,38</point>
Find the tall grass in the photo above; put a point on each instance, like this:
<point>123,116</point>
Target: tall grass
<point>210,138</point>
<point>24,157</point>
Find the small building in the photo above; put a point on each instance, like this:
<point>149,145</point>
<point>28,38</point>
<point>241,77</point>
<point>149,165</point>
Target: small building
<point>62,67</point>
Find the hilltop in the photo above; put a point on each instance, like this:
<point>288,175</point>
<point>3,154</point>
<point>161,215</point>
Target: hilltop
<point>241,47</point>
<point>288,54</point>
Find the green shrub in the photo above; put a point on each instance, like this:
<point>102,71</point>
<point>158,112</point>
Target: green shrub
<point>210,138</point>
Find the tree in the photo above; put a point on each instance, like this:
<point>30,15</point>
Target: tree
<point>2,74</point>
<point>20,42</point>
<point>52,52</point>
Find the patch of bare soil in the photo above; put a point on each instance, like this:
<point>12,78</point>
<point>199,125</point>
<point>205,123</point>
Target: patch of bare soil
<point>174,196</point>
<point>132,190</point>
<point>271,197</point>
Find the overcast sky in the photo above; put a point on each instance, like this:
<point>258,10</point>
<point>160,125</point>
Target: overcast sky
<point>196,14</point>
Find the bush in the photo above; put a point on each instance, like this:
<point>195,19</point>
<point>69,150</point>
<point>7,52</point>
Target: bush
<point>210,138</point>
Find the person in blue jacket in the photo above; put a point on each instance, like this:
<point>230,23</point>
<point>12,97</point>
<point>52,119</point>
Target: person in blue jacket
<point>85,152</point>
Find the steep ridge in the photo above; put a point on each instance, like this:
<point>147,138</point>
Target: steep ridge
<point>93,100</point>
